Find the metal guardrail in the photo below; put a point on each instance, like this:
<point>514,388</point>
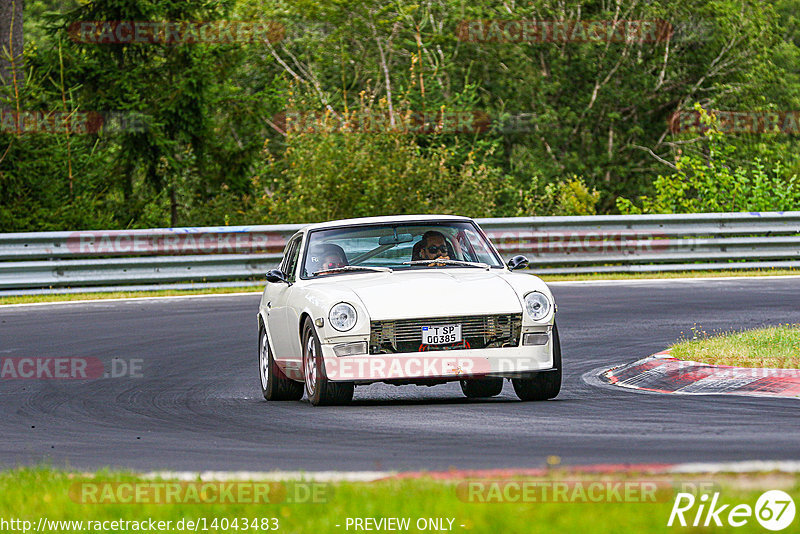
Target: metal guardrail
<point>609,243</point>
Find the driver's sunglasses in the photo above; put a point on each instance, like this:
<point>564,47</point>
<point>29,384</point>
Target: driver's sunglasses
<point>332,265</point>
<point>433,249</point>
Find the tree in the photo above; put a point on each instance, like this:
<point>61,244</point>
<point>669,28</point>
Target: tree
<point>11,39</point>
<point>715,179</point>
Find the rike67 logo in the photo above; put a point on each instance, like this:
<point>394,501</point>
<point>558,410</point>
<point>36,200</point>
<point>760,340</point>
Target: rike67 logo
<point>774,510</point>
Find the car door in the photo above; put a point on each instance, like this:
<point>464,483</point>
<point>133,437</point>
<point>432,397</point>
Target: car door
<point>278,310</point>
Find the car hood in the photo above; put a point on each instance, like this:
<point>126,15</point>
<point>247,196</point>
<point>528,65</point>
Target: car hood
<point>429,293</point>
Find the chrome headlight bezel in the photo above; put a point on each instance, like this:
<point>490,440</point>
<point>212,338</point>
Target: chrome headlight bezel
<point>537,305</point>
<point>342,308</point>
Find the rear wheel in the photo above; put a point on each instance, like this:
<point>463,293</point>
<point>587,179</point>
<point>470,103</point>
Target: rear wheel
<point>544,385</point>
<point>477,388</point>
<point>274,384</point>
<point>319,389</point>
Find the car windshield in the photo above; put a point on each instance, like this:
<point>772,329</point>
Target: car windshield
<point>417,245</point>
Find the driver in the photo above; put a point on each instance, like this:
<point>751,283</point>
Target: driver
<point>433,246</point>
<point>326,257</point>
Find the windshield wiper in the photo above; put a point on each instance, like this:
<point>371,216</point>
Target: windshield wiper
<point>354,268</point>
<point>448,262</point>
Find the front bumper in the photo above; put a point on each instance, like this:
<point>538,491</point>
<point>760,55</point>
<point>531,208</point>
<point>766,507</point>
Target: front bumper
<point>438,365</point>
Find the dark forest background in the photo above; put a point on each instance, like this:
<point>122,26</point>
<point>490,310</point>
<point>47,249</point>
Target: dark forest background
<point>196,134</point>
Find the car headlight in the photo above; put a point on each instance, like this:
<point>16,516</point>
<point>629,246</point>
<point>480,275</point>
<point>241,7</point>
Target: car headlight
<point>537,305</point>
<point>342,317</point>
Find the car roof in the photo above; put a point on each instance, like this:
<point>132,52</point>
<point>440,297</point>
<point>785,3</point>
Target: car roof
<point>383,220</point>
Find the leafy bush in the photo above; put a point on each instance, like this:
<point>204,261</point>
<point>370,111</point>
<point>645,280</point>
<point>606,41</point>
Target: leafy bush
<point>567,197</point>
<point>329,173</point>
<point>714,181</point>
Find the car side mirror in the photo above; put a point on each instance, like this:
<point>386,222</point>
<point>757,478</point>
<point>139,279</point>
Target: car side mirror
<point>517,262</point>
<point>276,276</point>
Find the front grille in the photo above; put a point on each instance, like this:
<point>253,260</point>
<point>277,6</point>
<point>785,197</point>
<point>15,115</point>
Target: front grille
<point>478,331</point>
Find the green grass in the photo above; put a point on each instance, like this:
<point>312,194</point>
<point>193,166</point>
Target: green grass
<point>68,297</point>
<point>775,347</point>
<point>29,494</point>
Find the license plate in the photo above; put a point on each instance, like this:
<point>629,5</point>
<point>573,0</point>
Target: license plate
<point>441,335</point>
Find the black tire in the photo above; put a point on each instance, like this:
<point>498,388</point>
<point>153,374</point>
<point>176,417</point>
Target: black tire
<point>477,388</point>
<point>320,391</point>
<point>545,385</point>
<point>275,386</point>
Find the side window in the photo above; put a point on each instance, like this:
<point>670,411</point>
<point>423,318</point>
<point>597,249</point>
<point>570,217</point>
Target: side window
<point>289,265</point>
<point>466,247</point>
<point>476,247</point>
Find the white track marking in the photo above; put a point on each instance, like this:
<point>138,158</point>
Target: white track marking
<point>669,280</point>
<point>753,466</point>
<point>315,476</point>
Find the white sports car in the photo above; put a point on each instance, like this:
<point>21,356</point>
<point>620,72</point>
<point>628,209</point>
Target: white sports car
<point>404,300</point>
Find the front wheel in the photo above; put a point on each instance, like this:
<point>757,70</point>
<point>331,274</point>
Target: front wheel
<point>319,389</point>
<point>274,384</point>
<point>544,385</point>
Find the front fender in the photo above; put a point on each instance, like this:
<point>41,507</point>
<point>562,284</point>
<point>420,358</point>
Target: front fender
<point>316,303</point>
<point>524,284</point>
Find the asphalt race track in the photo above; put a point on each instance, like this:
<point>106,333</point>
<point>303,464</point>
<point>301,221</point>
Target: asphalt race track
<point>198,405</point>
